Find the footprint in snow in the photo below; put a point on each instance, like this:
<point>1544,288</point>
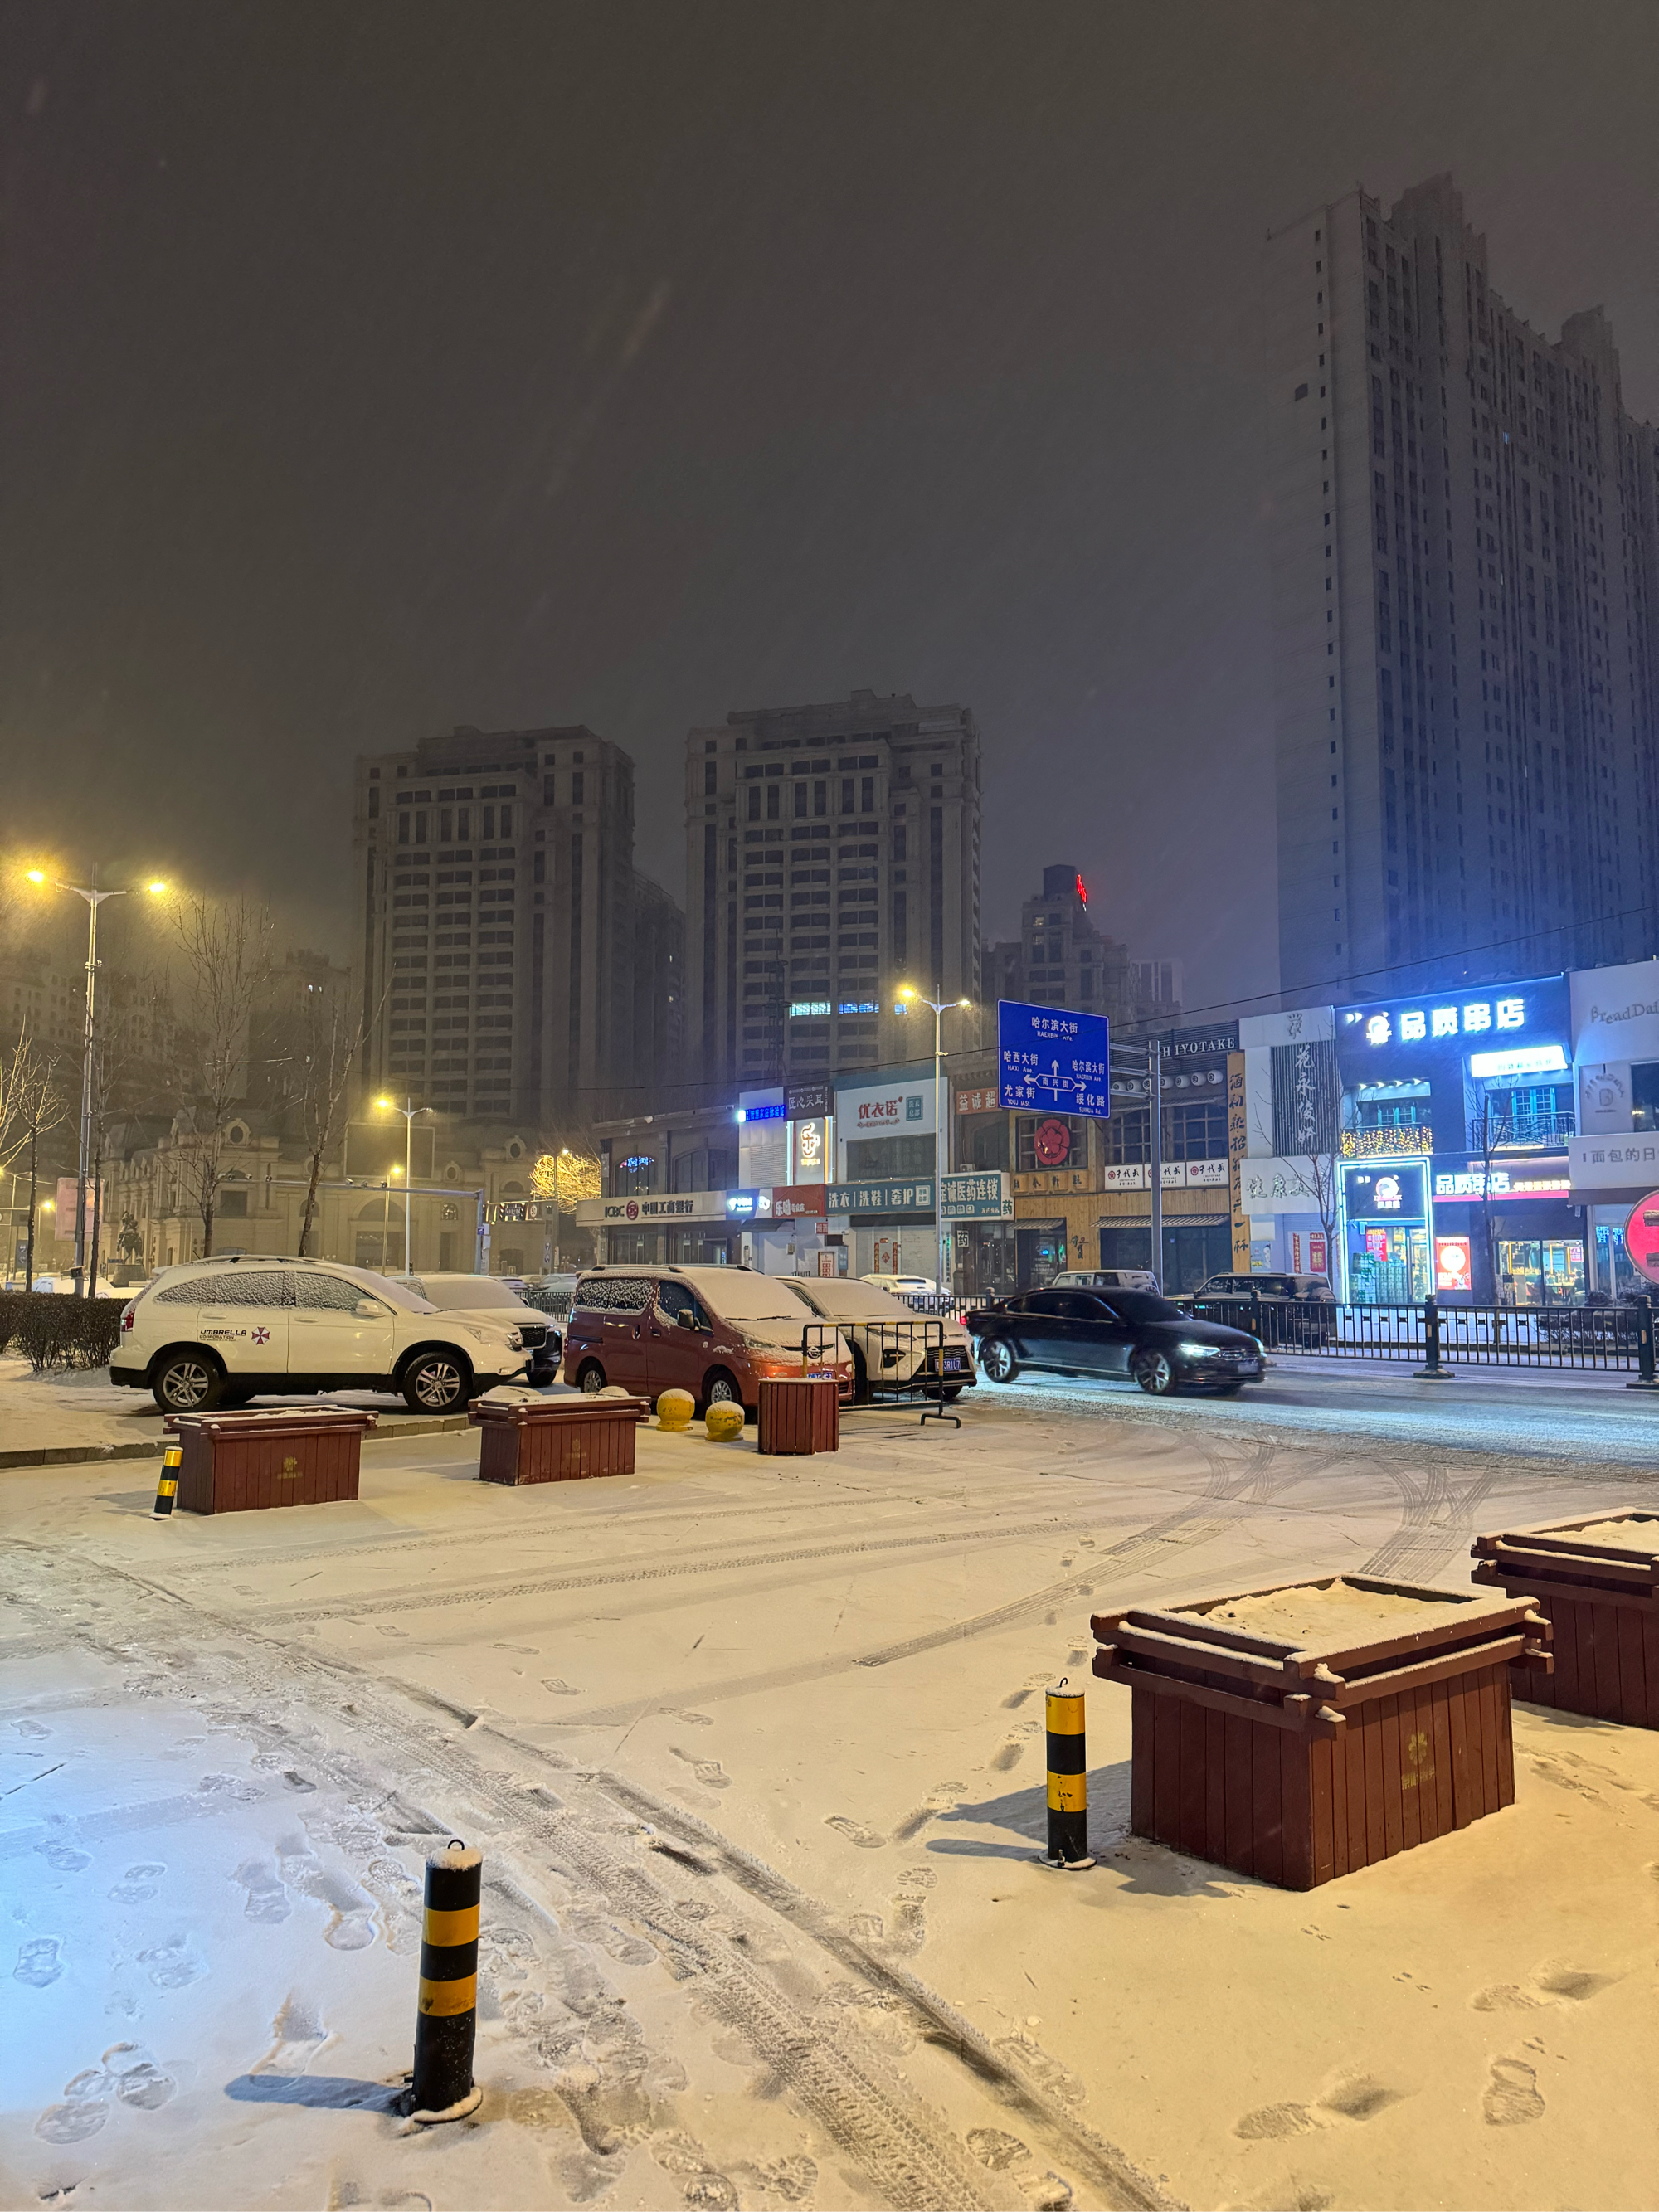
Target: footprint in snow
<point>267,1895</point>
<point>1511,2098</point>
<point>63,1857</point>
<point>855,1831</point>
<point>172,1965</point>
<point>137,1884</point>
<point>37,1963</point>
<point>559,1686</point>
<point>708,1771</point>
<point>33,1729</point>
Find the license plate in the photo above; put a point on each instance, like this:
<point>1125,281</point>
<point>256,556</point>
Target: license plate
<point>952,1365</point>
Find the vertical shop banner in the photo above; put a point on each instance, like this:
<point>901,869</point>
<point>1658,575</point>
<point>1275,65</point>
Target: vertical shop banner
<point>1237,1145</point>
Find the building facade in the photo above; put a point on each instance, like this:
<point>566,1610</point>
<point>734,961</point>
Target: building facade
<point>1062,958</point>
<point>1466,608</point>
<point>513,965</point>
<point>832,853</point>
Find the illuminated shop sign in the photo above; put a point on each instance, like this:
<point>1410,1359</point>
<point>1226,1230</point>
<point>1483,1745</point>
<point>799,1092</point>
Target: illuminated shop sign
<point>762,1113</point>
<point>1498,1019</point>
<point>1529,1060</point>
<point>1413,1025</point>
<point>1535,1180</point>
<point>1385,1193</point>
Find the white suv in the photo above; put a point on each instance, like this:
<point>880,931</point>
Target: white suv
<point>217,1332</point>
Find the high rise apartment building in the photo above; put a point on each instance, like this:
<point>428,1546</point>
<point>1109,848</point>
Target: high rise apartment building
<point>1466,588</point>
<point>832,853</point>
<point>515,966</point>
<point>1060,958</point>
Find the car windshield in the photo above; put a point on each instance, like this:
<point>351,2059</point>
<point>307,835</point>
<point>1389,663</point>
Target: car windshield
<point>1143,1305</point>
<point>382,1286</point>
<point>849,1300</point>
<point>463,1293</point>
<point>736,1295</point>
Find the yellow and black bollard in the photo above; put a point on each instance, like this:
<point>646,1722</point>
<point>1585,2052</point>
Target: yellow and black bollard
<point>1068,1781</point>
<point>441,2087</point>
<point>167,1490</point>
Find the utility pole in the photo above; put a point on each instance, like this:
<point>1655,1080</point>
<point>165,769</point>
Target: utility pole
<point>29,1249</point>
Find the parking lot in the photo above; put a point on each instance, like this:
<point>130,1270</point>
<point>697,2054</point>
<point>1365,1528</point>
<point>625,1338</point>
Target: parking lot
<point>754,1751</point>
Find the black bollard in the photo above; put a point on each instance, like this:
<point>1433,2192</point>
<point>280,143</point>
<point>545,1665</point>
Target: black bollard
<point>1068,1781</point>
<point>441,2087</point>
<point>167,1490</point>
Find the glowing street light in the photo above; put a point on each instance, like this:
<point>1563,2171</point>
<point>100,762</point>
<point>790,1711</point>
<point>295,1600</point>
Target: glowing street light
<point>908,995</point>
<point>94,899</point>
<point>411,1115</point>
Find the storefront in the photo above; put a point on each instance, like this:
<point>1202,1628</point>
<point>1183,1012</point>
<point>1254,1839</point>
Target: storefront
<point>687,1228</point>
<point>1455,1111</point>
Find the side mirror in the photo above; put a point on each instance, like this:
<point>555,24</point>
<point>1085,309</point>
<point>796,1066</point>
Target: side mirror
<point>368,1309</point>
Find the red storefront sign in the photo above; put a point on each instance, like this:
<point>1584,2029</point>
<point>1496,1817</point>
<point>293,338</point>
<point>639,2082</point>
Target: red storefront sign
<point>798,1201</point>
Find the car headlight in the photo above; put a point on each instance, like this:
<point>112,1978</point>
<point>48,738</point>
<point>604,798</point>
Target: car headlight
<point>1199,1351</point>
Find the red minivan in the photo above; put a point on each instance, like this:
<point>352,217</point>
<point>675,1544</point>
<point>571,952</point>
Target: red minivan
<point>716,1332</point>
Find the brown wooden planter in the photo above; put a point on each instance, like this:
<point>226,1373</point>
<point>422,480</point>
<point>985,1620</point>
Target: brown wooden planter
<point>799,1414</point>
<point>1600,1595</point>
<point>1299,1755</point>
<point>556,1440</point>
<point>246,1462</point>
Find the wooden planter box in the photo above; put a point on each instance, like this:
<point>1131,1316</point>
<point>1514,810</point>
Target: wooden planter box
<point>1600,1592</point>
<point>556,1440</point>
<point>244,1463</point>
<point>1298,1752</point>
<point>799,1414</point>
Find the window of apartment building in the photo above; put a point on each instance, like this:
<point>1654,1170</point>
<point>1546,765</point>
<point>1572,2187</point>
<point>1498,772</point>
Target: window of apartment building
<point>983,1140</point>
<point>1196,1131</point>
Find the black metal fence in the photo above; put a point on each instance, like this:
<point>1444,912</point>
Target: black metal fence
<point>1609,1337</point>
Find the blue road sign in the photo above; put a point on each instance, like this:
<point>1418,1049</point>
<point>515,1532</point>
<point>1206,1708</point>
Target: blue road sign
<point>1050,1060</point>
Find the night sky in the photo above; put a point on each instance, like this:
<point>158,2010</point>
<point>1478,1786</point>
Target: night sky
<point>368,368</point>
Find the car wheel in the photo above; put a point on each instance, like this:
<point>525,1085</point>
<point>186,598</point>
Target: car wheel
<point>189,1382</point>
<point>1154,1374</point>
<point>951,1393</point>
<point>436,1383</point>
<point>590,1381</point>
<point>997,1361</point>
<point>721,1389</point>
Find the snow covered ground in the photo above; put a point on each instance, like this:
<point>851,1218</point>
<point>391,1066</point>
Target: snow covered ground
<point>753,1749</point>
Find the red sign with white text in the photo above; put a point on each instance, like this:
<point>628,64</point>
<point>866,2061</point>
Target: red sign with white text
<point>1641,1236</point>
<point>798,1201</point>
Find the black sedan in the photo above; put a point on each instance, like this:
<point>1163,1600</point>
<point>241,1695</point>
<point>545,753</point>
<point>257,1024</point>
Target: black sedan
<point>1133,1332</point>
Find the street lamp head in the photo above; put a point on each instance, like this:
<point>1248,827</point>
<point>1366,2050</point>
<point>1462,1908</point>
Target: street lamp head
<point>396,1168</point>
<point>157,890</point>
<point>384,1105</point>
<point>907,991</point>
<point>37,875</point>
<point>964,1002</point>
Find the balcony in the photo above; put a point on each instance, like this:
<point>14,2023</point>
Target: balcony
<point>1516,1132</point>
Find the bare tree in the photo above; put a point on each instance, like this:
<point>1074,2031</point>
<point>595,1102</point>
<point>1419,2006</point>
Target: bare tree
<point>1492,1131</point>
<point>1316,1177</point>
<point>31,1107</point>
<point>226,949</point>
<point>317,1085</point>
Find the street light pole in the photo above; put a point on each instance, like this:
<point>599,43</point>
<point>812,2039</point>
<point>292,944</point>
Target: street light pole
<point>1155,1111</point>
<point>941,1139</point>
<point>95,899</point>
<point>411,1114</point>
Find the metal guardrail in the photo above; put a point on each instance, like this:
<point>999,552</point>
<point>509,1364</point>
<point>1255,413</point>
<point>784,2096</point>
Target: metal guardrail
<point>1598,1337</point>
<point>900,1358</point>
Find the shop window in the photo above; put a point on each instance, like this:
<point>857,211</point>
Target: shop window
<point>1644,1094</point>
<point>888,1159</point>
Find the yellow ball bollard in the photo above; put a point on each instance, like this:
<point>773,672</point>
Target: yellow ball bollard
<point>724,1422</point>
<point>675,1409</point>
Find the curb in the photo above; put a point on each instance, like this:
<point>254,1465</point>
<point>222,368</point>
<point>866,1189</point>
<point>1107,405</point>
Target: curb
<point>82,1455</point>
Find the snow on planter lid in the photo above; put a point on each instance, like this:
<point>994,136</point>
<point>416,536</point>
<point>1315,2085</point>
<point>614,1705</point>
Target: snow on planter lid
<point>1630,1532</point>
<point>1338,1611</point>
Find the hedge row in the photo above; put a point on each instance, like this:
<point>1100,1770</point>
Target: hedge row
<point>51,1330</point>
